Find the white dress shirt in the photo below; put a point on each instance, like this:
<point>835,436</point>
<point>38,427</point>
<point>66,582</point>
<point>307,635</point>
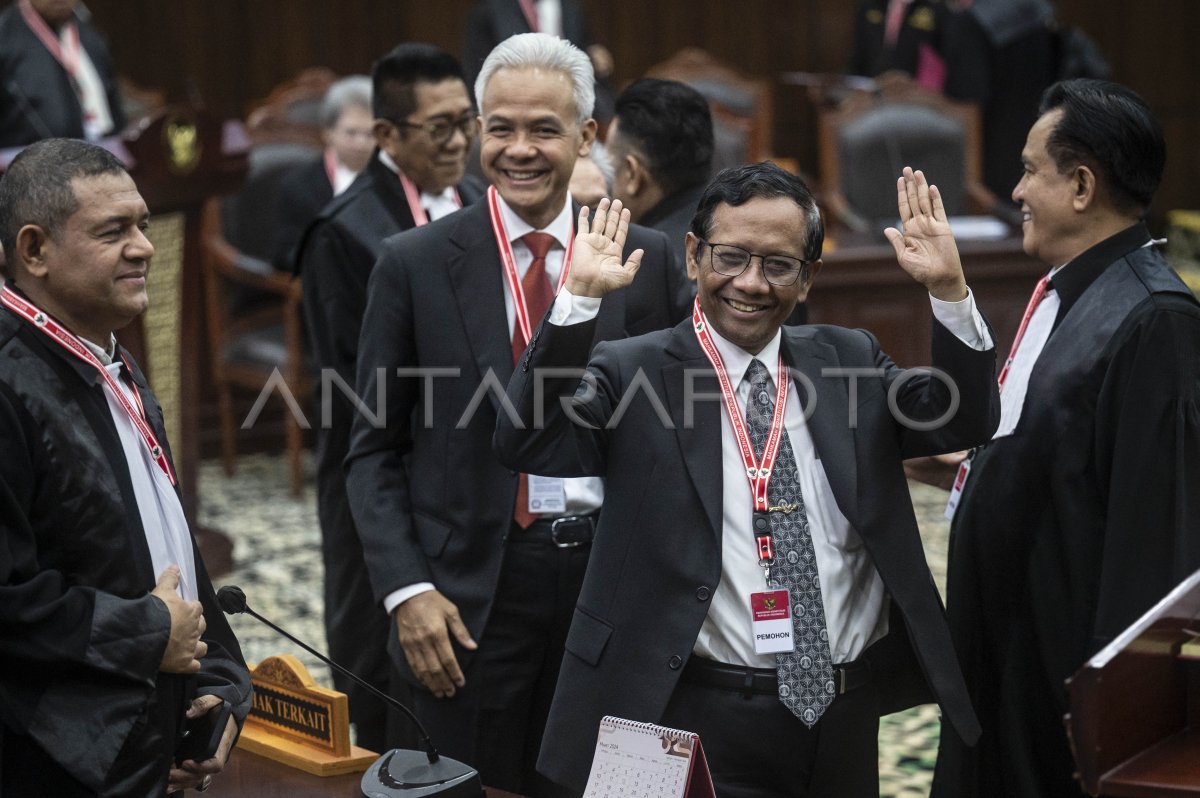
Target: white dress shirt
<point>163,521</point>
<point>856,603</point>
<point>97,116</point>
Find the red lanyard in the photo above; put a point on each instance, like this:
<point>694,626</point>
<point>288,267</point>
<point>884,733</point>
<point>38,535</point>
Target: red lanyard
<point>531,15</point>
<point>1039,293</point>
<point>68,341</point>
<point>510,264</point>
<point>758,472</point>
<point>420,217</point>
<point>68,56</point>
<point>331,167</point>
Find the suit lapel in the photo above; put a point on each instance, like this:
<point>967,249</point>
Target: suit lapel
<point>476,277</point>
<point>691,385</point>
<point>829,419</point>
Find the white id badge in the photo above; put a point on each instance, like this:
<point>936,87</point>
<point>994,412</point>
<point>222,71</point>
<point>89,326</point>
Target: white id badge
<point>956,490</point>
<point>771,622</point>
<point>547,495</point>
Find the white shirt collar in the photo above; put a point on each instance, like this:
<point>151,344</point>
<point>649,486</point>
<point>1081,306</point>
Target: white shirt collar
<point>560,227</point>
<point>737,360</point>
<point>106,357</point>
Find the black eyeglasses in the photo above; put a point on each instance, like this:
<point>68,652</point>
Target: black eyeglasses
<point>731,261</point>
<point>441,130</point>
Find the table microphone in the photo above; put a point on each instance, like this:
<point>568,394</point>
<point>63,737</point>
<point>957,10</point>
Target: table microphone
<point>399,773</point>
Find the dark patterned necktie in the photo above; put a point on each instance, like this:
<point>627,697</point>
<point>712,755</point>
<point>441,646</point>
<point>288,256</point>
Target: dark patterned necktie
<point>806,673</point>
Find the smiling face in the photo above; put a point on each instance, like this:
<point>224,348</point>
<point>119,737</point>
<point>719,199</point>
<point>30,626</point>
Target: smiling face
<point>747,310</point>
<point>91,275</point>
<point>433,166</point>
<point>1047,198</point>
<point>531,139</point>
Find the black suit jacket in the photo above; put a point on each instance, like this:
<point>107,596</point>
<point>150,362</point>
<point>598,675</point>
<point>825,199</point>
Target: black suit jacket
<point>431,501</point>
<point>657,554</point>
<point>303,192</point>
<point>492,21</point>
<point>35,91</point>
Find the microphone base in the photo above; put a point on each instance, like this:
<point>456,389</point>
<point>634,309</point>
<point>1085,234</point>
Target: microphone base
<point>401,773</point>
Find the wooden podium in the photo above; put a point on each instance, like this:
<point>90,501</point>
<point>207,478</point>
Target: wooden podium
<point>1134,722</point>
<point>179,157</point>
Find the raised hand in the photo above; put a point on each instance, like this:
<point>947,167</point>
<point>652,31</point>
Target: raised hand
<point>596,267</point>
<point>926,248</point>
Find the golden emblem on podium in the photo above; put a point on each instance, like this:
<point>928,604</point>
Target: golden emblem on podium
<point>181,137</point>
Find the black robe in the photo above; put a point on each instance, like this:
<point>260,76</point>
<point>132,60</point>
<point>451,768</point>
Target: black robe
<point>84,710</point>
<point>1080,521</point>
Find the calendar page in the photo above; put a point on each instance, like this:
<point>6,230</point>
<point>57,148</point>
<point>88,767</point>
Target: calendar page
<point>641,760</point>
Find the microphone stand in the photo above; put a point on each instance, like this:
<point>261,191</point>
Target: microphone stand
<point>398,773</point>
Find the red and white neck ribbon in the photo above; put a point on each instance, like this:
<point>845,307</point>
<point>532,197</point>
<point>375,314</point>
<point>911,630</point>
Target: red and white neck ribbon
<point>1039,293</point>
<point>757,471</point>
<point>413,195</point>
<point>529,9</point>
<point>65,51</point>
<point>331,164</point>
<point>511,277</point>
<point>70,342</point>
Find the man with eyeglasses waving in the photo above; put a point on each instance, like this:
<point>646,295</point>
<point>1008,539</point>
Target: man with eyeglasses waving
<point>424,125</point>
<point>757,576</point>
<point>480,565</point>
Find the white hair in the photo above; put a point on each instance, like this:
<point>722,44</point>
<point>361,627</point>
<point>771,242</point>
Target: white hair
<point>352,90</point>
<point>543,51</point>
<point>599,154</point>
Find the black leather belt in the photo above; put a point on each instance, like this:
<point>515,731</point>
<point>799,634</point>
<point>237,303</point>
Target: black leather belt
<point>762,681</point>
<point>565,532</point>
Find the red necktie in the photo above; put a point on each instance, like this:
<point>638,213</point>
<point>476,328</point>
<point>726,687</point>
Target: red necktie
<point>1039,293</point>
<point>538,296</point>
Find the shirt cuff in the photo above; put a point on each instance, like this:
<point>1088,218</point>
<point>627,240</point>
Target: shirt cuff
<point>397,597</point>
<point>570,309</point>
<point>964,320</point>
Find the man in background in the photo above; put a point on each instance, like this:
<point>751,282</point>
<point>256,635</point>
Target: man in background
<point>1082,511</point>
<point>661,145</point>
<point>423,126</point>
<point>592,178</point>
<point>56,75</point>
<point>346,123</point>
<point>110,635</point>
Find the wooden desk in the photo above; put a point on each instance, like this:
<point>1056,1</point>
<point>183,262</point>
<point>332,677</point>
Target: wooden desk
<point>861,285</point>
<point>248,775</point>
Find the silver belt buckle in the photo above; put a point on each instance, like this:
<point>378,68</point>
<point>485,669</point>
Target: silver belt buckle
<point>562,523</point>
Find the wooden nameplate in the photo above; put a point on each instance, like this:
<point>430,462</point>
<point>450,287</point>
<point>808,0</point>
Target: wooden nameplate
<point>295,721</point>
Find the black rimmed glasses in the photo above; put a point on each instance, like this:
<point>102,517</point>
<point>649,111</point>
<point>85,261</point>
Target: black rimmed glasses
<point>440,130</point>
<point>731,261</point>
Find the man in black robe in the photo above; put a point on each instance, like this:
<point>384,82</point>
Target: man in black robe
<point>99,665</point>
<point>1083,511</point>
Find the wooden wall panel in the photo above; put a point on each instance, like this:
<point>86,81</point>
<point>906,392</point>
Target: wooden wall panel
<point>234,51</point>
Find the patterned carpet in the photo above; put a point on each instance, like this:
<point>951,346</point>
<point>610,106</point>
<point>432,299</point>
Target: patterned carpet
<point>278,563</point>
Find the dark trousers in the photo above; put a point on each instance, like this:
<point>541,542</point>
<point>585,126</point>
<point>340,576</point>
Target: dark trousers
<point>756,748</point>
<point>511,677</point>
<point>357,627</point>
